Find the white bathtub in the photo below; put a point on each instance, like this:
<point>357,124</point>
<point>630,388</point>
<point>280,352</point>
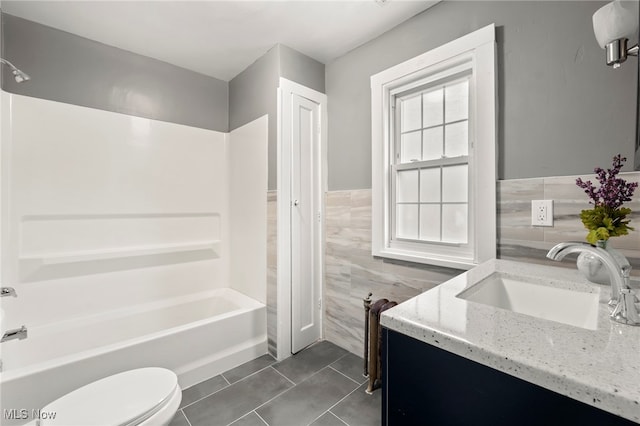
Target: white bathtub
<point>197,336</point>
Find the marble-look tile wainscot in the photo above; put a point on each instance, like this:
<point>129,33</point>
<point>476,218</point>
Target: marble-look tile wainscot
<point>272,270</point>
<point>351,272</point>
<point>519,240</point>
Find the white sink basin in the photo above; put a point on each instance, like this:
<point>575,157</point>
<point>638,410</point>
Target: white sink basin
<point>519,294</point>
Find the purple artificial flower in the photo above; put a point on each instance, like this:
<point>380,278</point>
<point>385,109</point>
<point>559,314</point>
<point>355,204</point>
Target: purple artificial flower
<point>613,191</point>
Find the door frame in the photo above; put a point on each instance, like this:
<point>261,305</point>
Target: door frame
<point>283,313</point>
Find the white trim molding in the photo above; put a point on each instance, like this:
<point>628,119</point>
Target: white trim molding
<point>474,52</point>
<point>284,201</point>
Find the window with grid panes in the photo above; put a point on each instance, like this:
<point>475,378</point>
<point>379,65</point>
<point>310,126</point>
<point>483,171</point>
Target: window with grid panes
<point>433,153</point>
<point>431,156</point>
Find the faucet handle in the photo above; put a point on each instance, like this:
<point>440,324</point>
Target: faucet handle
<point>626,311</point>
<point>8,291</point>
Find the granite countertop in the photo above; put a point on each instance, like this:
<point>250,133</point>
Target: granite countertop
<point>598,367</point>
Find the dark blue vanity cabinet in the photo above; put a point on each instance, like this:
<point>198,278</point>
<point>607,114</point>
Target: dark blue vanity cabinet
<point>425,385</point>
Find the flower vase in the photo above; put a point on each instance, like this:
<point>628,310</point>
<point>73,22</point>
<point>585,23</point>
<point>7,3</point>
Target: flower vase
<point>591,267</point>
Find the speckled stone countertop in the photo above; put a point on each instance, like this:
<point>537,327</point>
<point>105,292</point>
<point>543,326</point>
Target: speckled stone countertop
<point>598,367</point>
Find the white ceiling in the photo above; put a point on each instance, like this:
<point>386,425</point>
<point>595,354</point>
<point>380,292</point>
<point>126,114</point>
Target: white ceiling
<point>222,38</point>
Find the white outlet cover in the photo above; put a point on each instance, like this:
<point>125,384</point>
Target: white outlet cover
<point>542,212</point>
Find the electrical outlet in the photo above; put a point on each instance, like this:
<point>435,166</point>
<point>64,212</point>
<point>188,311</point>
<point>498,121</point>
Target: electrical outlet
<point>542,212</point>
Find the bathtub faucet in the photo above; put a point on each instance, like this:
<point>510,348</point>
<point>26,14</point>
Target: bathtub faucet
<point>16,333</point>
<point>8,291</point>
<point>623,299</point>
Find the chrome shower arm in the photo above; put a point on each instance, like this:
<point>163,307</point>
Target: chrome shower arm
<point>18,75</point>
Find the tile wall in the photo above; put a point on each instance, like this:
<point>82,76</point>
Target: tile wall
<point>518,240</point>
<point>351,272</point>
<point>272,269</point>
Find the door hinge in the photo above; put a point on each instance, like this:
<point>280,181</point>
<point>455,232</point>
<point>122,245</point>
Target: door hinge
<point>319,216</point>
<point>319,303</point>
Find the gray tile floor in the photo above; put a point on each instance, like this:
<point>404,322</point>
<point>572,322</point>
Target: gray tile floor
<point>320,386</point>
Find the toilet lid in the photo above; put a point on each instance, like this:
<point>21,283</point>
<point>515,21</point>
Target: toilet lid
<point>120,399</point>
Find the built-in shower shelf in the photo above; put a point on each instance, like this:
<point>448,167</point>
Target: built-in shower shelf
<point>88,255</point>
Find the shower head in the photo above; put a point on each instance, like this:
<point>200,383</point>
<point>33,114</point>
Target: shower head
<point>18,75</point>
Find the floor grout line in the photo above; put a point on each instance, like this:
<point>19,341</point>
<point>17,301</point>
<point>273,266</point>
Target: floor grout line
<point>249,375</point>
<point>313,421</point>
<point>260,417</point>
<point>282,374</point>
<point>340,372</point>
<point>185,417</point>
<point>266,402</point>
<point>206,396</point>
<point>317,372</point>
<point>340,358</point>
<point>293,385</point>
<point>345,397</point>
<point>230,384</point>
<point>287,390</point>
<point>334,415</point>
<point>225,379</point>
<point>365,379</point>
<point>261,405</point>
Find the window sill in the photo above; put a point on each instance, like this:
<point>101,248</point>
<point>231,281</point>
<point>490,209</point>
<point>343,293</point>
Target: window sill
<point>425,258</point>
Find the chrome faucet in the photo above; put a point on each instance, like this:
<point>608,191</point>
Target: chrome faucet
<point>623,300</point>
<point>8,291</point>
<point>559,251</point>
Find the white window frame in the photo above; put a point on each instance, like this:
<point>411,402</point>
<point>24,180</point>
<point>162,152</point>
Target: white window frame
<point>474,52</point>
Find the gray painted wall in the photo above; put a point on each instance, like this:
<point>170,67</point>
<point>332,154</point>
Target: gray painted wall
<point>253,92</point>
<point>562,110</point>
<point>302,69</point>
<point>67,68</point>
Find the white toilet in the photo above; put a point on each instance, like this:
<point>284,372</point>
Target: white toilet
<point>141,397</point>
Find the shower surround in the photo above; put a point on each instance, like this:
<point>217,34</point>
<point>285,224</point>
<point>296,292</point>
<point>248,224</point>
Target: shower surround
<point>118,230</point>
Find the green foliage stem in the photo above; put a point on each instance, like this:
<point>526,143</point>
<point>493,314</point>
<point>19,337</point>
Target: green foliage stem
<point>604,222</point>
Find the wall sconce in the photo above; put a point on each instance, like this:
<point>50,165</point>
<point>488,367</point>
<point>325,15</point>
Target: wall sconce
<point>614,24</point>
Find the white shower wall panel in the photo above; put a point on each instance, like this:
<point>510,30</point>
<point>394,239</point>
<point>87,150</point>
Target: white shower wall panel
<point>69,159</point>
<point>66,234</point>
<point>248,208</point>
<point>103,210</point>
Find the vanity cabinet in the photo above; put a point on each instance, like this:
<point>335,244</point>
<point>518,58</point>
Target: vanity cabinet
<point>426,385</point>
